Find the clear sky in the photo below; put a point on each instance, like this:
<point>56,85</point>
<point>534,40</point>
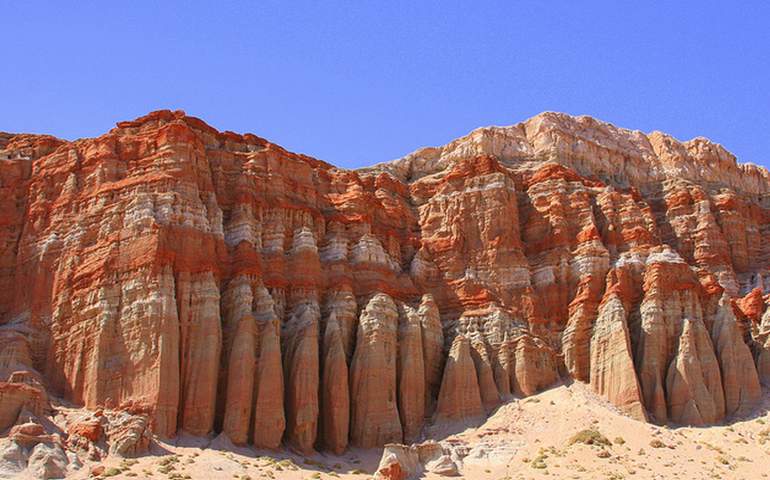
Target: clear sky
<point>360,82</point>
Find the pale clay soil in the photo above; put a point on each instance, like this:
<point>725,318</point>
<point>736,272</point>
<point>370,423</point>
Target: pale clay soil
<point>524,439</point>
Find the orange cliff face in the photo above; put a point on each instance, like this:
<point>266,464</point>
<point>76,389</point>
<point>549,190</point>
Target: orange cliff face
<point>216,282</point>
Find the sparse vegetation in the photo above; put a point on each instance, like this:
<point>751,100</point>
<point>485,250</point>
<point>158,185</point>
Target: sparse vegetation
<point>655,443</point>
<point>712,447</point>
<point>589,437</point>
<point>287,464</point>
<point>539,461</point>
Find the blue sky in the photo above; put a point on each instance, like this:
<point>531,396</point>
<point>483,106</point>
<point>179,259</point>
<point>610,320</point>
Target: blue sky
<point>360,82</point>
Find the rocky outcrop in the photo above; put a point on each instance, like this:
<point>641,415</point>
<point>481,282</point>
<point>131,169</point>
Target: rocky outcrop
<point>128,435</point>
<point>15,397</point>
<point>762,347</point>
<point>13,459</point>
<point>214,282</point>
<point>535,368</point>
<point>398,462</point>
<point>47,461</point>
<point>401,462</point>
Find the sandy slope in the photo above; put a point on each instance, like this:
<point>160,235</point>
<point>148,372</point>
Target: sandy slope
<point>531,439</point>
<point>523,439</point>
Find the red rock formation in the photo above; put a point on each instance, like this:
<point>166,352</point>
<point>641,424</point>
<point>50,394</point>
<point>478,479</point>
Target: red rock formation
<point>535,367</point>
<point>693,384</point>
<point>301,373</point>
<point>432,350</point>
<point>374,416</point>
<point>482,360</point>
<point>217,282</point>
<point>269,418</point>
<point>411,373</point>
<point>240,381</point>
<point>17,396</point>
<point>612,371</point>
<point>201,339</point>
<point>459,398</point>
<point>739,374</point>
<point>335,396</point>
<point>671,299</point>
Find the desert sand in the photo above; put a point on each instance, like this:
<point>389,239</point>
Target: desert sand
<point>541,436</point>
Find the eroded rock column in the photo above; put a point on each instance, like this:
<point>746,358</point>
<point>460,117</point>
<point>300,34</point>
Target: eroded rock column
<point>459,398</point>
<point>374,419</point>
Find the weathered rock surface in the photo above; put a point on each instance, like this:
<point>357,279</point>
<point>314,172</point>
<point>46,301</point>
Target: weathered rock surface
<point>301,372</point>
<point>612,365</point>
<point>15,397</point>
<point>128,435</point>
<point>335,396</point>
<point>214,282</point>
<point>47,461</point>
<point>432,350</point>
<point>411,373</point>
<point>693,383</point>
<point>459,397</point>
<point>13,459</point>
<point>403,462</point>
<point>374,416</point>
<point>269,417</point>
<point>739,374</point>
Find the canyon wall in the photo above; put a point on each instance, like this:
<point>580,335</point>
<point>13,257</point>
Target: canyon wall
<point>219,283</point>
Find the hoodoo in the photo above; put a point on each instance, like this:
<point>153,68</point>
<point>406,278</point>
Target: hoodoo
<point>213,282</point>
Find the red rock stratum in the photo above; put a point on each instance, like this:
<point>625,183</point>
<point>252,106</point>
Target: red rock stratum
<point>216,282</point>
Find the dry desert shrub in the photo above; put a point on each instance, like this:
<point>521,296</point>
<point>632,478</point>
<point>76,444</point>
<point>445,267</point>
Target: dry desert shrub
<point>589,437</point>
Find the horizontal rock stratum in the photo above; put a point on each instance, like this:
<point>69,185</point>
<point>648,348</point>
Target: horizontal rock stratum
<point>216,282</point>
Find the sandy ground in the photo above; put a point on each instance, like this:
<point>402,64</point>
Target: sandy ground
<point>524,439</point>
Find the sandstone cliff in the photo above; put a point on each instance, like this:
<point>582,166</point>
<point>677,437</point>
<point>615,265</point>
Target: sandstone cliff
<point>216,282</point>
